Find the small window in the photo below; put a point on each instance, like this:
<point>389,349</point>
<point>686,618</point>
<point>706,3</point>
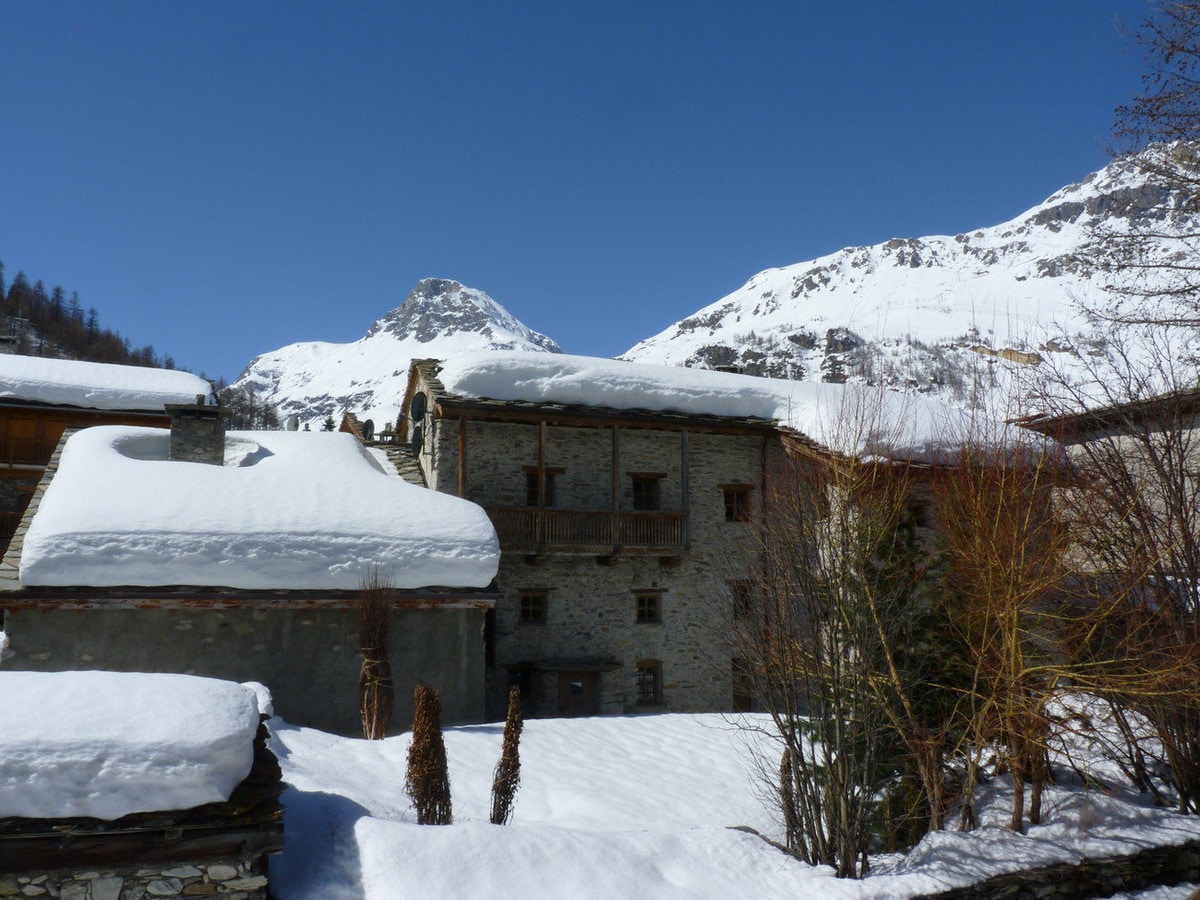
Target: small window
<point>919,514</point>
<point>649,682</point>
<point>743,686</point>
<point>649,607</point>
<point>742,593</point>
<point>737,502</point>
<point>531,486</point>
<point>646,493</point>
<point>533,607</point>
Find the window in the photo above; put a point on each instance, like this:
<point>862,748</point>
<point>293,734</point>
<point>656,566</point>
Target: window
<point>531,485</point>
<point>649,607</point>
<point>649,682</point>
<point>919,514</point>
<point>646,494</point>
<point>533,607</point>
<point>743,695</point>
<point>737,502</point>
<point>742,592</point>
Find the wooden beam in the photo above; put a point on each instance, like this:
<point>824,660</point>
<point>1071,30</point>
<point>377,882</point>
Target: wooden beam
<point>685,482</point>
<point>19,602</point>
<point>599,417</point>
<point>615,483</point>
<point>541,482</point>
<point>462,457</point>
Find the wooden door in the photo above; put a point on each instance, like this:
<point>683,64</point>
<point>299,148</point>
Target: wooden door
<point>578,693</point>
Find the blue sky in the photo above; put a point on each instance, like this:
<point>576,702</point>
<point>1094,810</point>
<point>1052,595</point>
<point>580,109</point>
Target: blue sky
<point>222,179</point>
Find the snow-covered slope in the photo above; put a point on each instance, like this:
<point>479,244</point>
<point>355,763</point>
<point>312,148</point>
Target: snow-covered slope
<point>367,377</point>
<point>925,312</point>
<point>647,806</point>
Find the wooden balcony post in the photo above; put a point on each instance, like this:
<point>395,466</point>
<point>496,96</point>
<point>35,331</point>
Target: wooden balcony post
<point>541,483</point>
<point>685,482</point>
<point>462,457</point>
<point>615,524</point>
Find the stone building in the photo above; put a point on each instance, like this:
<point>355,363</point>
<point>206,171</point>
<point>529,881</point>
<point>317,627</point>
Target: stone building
<point>622,520</point>
<point>41,397</point>
<point>242,557</point>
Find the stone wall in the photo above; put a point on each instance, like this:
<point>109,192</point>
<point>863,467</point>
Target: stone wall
<point>197,433</point>
<point>15,491</point>
<point>591,610</point>
<point>229,879</point>
<point>1088,878</point>
<point>308,658</point>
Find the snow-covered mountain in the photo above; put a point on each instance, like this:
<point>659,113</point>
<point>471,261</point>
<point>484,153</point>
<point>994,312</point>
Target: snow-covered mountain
<point>939,314</point>
<point>367,377</point>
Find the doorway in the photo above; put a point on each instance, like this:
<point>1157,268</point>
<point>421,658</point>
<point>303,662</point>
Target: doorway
<point>578,694</point>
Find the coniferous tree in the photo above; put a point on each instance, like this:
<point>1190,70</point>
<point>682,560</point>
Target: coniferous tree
<point>18,295</point>
<point>58,304</point>
<point>46,323</point>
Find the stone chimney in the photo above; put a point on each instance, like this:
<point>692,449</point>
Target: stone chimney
<point>197,432</point>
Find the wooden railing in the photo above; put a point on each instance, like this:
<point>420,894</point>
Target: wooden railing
<point>532,530</point>
<point>26,451</point>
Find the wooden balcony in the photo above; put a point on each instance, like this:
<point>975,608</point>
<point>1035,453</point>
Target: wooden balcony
<point>567,531</point>
<point>27,451</point>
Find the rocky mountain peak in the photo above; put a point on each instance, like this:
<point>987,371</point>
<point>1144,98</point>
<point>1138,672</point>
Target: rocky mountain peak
<point>439,307</point>
<point>368,377</point>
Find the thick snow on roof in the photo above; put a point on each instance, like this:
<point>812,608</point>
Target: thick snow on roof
<point>302,510</point>
<point>106,744</point>
<point>848,418</point>
<point>96,385</point>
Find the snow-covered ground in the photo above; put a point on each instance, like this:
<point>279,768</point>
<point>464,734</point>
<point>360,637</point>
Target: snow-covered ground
<point>631,807</point>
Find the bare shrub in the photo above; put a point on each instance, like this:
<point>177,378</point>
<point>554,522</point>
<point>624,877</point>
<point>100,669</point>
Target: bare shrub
<point>1134,511</point>
<point>376,692</point>
<point>827,635</point>
<point>428,778</point>
<point>1005,554</point>
<point>507,777</point>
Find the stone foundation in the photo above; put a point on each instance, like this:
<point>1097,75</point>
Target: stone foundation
<point>1088,878</point>
<point>231,879</point>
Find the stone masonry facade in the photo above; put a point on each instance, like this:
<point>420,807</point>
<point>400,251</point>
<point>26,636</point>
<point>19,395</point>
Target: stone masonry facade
<point>590,603</point>
<point>228,879</point>
<point>309,658</point>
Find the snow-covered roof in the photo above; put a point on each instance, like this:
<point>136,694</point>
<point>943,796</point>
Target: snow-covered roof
<point>96,385</point>
<point>854,419</point>
<point>107,744</point>
<point>288,510</point>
